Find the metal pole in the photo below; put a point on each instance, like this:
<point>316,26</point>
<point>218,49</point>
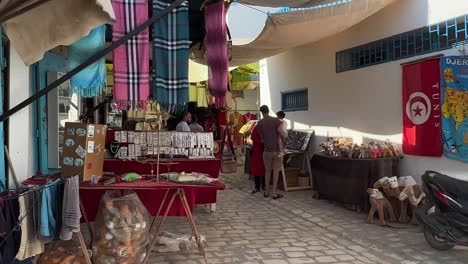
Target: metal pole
<point>13,6</point>
<point>23,10</point>
<point>90,61</point>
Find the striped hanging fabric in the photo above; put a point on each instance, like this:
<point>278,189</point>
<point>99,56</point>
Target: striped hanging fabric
<point>131,60</point>
<point>171,55</point>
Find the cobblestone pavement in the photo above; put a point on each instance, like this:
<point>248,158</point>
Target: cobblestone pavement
<point>297,229</point>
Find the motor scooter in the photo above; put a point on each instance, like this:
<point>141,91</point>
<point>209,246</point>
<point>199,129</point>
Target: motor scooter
<point>447,225</point>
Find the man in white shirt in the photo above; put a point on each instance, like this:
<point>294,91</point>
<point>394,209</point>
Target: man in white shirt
<point>284,129</point>
<point>194,126</point>
<point>183,124</point>
<point>281,115</point>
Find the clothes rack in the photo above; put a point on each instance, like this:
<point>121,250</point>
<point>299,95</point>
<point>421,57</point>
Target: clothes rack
<point>40,187</point>
<point>21,192</point>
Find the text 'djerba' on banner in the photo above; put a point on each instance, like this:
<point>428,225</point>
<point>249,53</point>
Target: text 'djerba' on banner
<point>454,100</point>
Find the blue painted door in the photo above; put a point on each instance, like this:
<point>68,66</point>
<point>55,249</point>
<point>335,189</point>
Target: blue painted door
<point>50,63</point>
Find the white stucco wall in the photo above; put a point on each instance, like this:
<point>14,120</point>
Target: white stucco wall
<point>365,104</point>
<point>249,102</point>
<point>20,124</point>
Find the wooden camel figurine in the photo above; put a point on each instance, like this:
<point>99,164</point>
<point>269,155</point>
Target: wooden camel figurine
<point>379,203</point>
<point>406,194</point>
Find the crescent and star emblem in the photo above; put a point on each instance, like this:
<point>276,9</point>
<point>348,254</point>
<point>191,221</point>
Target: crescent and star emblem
<point>418,108</point>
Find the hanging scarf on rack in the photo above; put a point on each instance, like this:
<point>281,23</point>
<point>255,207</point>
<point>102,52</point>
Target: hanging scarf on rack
<point>91,81</point>
<point>217,51</point>
<point>171,54</point>
<point>131,60</point>
<point>29,215</point>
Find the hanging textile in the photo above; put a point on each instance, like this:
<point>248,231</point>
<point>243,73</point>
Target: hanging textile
<point>217,50</point>
<point>131,60</point>
<point>422,134</point>
<point>50,220</point>
<point>10,236</point>
<point>192,92</point>
<point>91,81</point>
<point>71,213</point>
<point>197,93</point>
<point>29,217</point>
<point>201,95</point>
<point>171,54</point>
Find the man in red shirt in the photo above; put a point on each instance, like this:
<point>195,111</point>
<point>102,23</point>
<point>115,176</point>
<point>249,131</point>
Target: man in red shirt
<point>270,130</point>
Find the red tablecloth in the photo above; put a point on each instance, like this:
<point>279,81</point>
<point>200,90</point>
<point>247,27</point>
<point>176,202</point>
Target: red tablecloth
<point>211,167</point>
<point>151,194</point>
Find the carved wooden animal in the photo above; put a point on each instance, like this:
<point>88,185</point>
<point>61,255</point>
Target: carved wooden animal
<point>408,193</point>
<point>379,203</point>
<point>394,192</point>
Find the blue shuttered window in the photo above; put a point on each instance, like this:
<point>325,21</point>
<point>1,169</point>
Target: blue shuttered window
<point>295,100</point>
<point>444,35</point>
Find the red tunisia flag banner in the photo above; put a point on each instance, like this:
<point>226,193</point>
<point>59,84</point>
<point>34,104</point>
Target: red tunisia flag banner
<point>422,130</point>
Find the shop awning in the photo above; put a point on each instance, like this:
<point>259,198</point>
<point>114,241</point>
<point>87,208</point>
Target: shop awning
<point>36,26</point>
<point>245,77</point>
<point>199,72</point>
<point>287,30</point>
<point>240,78</point>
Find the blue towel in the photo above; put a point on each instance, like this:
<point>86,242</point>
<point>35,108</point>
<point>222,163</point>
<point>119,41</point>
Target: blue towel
<point>50,213</point>
<point>91,81</point>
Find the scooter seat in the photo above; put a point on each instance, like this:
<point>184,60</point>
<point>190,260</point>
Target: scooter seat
<point>455,187</point>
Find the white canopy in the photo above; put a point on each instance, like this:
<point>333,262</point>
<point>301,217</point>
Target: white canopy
<point>53,23</point>
<point>284,3</point>
<point>287,30</point>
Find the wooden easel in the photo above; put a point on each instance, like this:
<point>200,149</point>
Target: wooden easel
<point>306,160</point>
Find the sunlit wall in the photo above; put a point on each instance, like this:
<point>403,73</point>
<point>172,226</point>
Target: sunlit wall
<point>365,104</point>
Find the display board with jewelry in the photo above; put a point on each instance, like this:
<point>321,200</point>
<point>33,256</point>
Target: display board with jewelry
<point>135,144</point>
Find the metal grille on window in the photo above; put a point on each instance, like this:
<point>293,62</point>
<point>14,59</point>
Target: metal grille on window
<point>444,35</point>
<point>295,100</point>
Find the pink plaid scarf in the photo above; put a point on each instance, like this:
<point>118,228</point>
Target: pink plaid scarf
<point>131,60</point>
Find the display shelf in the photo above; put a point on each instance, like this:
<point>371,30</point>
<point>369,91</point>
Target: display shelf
<point>134,144</point>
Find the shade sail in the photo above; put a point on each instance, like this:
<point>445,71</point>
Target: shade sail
<point>284,3</point>
<point>53,23</point>
<point>287,30</point>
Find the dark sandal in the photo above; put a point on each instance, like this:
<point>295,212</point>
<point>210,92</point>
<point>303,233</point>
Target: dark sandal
<point>278,196</point>
<point>265,195</point>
